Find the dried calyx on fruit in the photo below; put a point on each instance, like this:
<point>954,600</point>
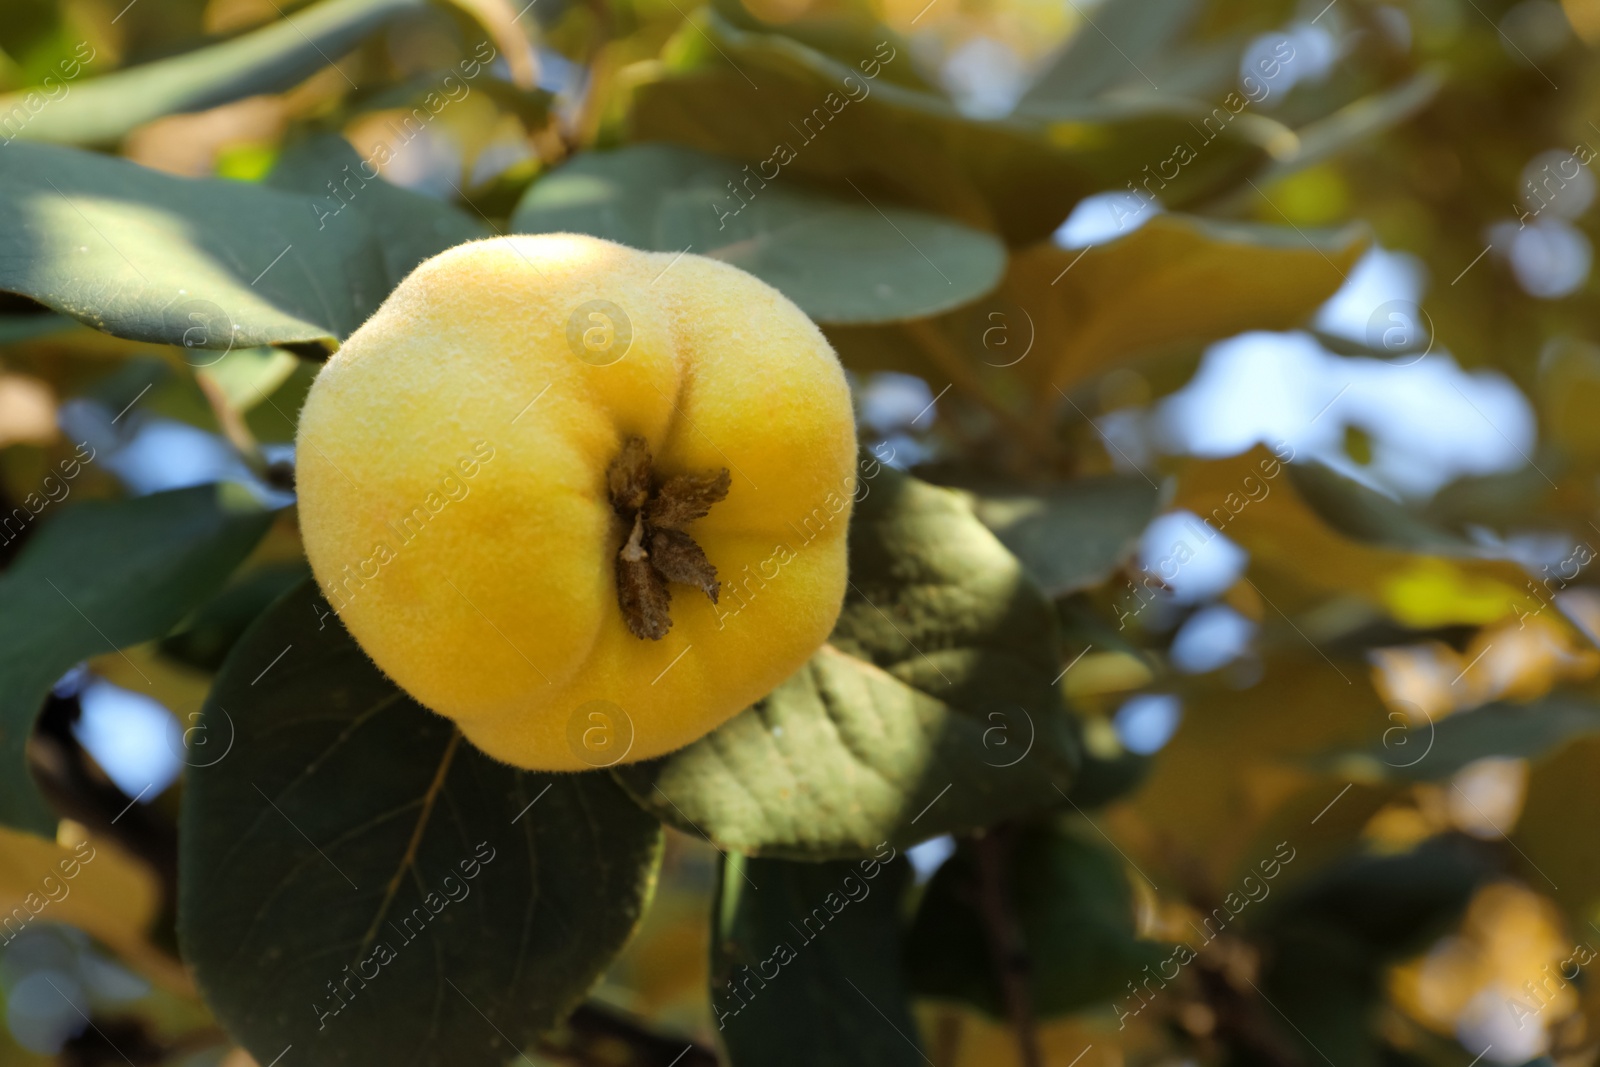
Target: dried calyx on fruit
<point>658,550</point>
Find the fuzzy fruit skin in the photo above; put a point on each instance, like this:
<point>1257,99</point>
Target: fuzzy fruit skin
<point>467,540</point>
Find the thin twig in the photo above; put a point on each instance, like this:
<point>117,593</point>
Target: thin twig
<point>1010,956</point>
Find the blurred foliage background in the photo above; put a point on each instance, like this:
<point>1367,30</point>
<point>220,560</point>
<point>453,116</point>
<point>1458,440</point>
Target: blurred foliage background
<point>1287,396</point>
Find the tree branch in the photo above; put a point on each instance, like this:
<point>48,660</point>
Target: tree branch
<point>599,1036</point>
<point>1009,954</point>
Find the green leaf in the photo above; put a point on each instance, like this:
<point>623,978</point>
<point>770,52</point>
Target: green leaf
<point>805,964</point>
<point>208,636</point>
<point>1432,751</point>
<point>1552,855</point>
<point>1074,911</point>
<point>1107,776</point>
<point>932,710</point>
<point>1365,514</point>
<point>345,817</point>
<point>840,31</point>
<point>1140,29</point>
<point>1356,124</point>
<point>1074,535</point>
<point>104,575</point>
<point>205,263</point>
<point>100,110</point>
<point>1328,943</point>
<point>407,227</point>
<point>840,261</point>
<point>246,376</point>
<point>750,95</point>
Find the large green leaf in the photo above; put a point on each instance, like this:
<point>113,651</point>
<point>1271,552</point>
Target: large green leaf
<point>457,906</point>
<point>932,710</point>
<point>1074,912</point>
<point>102,576</point>
<point>805,964</point>
<point>98,110</point>
<point>841,262</point>
<point>206,263</point>
<point>749,95</point>
<point>1073,535</point>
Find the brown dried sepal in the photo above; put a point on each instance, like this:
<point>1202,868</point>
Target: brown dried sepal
<point>675,554</point>
<point>657,549</point>
<point>628,477</point>
<point>687,497</point>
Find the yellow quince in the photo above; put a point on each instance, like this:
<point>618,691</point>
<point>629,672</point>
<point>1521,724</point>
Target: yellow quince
<point>586,501</point>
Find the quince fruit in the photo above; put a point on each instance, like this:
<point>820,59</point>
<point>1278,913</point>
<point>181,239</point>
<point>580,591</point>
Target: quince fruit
<point>586,501</point>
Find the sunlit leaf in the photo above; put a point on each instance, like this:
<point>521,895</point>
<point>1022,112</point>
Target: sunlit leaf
<point>1356,124</point>
<point>1297,560</point>
<point>932,710</point>
<point>203,263</point>
<point>1265,736</point>
<point>90,883</point>
<point>104,108</point>
<point>1093,309</point>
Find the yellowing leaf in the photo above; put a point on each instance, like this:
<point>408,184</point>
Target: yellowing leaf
<point>1430,592</point>
<point>1176,282</point>
<point>90,884</point>
<point>1551,837</point>
<point>1299,561</point>
<point>1238,764</point>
